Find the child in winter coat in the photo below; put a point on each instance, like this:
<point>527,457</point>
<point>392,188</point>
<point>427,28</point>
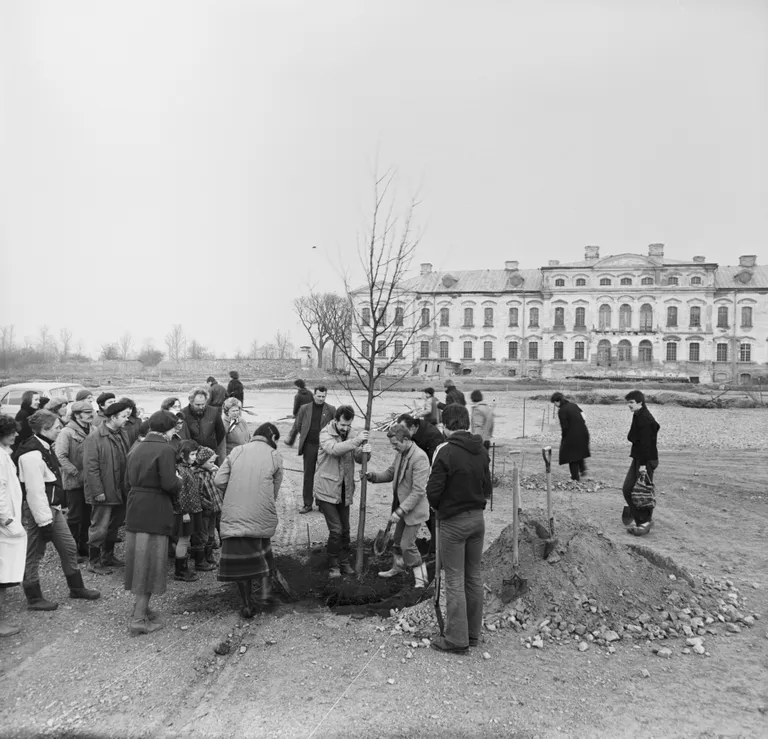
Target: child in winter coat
<point>211,499</point>
<point>187,507</point>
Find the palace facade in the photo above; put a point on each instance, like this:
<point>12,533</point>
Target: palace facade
<point>628,315</point>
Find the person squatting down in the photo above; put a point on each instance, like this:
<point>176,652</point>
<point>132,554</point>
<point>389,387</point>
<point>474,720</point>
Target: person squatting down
<point>408,474</point>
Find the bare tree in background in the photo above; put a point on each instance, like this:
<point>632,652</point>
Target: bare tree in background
<point>196,350</point>
<point>6,338</point>
<point>318,313</point>
<point>125,345</point>
<point>283,344</point>
<point>385,249</point>
<point>65,342</point>
<point>46,343</point>
<point>110,352</point>
<point>174,342</point>
<point>253,352</point>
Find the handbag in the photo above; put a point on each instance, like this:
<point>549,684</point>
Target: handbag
<point>643,492</point>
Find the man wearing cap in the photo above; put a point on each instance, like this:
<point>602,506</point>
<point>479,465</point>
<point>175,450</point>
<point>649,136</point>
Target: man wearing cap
<point>84,395</point>
<point>103,401</point>
<point>104,461</point>
<point>69,451</point>
<point>217,393</point>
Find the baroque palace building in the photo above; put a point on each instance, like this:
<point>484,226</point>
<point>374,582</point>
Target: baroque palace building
<point>629,315</point>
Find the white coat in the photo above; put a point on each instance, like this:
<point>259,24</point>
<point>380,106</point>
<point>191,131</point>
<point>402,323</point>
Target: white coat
<point>13,538</point>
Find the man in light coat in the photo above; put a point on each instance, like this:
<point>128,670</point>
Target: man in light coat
<point>408,474</point>
<point>481,419</point>
<point>334,488</point>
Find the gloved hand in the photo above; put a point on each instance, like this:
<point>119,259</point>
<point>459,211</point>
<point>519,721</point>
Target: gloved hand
<point>46,532</point>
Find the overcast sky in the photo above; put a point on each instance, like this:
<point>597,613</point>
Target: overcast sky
<point>175,162</point>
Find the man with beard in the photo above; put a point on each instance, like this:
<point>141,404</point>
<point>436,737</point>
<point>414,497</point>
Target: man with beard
<point>104,463</point>
<point>335,484</point>
<point>203,421</point>
<point>69,450</point>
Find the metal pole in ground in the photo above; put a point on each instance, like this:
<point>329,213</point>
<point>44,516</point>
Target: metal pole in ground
<point>523,418</point>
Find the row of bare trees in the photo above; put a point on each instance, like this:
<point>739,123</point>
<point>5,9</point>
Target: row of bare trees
<point>40,349</point>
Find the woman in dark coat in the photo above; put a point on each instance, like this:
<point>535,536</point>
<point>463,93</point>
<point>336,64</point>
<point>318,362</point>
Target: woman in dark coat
<point>30,403</point>
<point>235,387</point>
<point>574,444</point>
<point>152,483</point>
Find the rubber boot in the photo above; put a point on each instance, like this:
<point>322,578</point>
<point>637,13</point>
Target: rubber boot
<point>209,556</point>
<point>108,558</point>
<point>77,588</point>
<point>35,600</point>
<point>95,564</point>
<point>398,566</point>
<point>183,572</point>
<point>420,576</point>
<point>333,568</point>
<point>201,565</point>
<point>244,586</point>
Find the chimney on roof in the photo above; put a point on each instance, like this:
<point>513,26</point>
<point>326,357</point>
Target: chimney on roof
<point>554,262</point>
<point>748,261</point>
<point>699,260</point>
<point>511,265</point>
<point>656,250</point>
<point>426,268</point>
<point>591,253</point>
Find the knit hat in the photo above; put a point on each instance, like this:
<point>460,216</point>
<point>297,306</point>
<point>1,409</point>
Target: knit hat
<point>204,454</point>
<point>80,406</point>
<point>83,394</point>
<point>162,421</point>
<point>103,398</point>
<point>115,408</point>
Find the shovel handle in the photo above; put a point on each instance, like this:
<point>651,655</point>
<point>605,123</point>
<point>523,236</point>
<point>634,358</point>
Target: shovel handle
<point>515,517</point>
<point>546,452</point>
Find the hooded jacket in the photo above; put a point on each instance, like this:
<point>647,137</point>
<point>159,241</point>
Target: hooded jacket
<point>643,433</point>
<point>69,450</point>
<point>461,477</point>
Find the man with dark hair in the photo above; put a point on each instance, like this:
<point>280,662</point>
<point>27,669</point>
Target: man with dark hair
<point>302,397</point>
<point>131,427</point>
<point>42,517</point>
<point>645,458</point>
<point>574,440</point>
<point>458,488</point>
<point>217,393</point>
<point>426,436</point>
<point>482,419</point>
<point>69,451</point>
<point>103,402</point>
<point>334,490</point>
<point>235,387</point>
<point>203,421</point>
<point>452,394</point>
<point>310,420</point>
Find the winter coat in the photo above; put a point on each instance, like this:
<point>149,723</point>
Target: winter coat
<point>452,395</point>
<point>235,390</point>
<point>408,474</point>
<point>428,438</point>
<point>98,419</point>
<point>217,395</point>
<point>304,420</point>
<point>301,398</point>
<point>69,450</point>
<point>13,537</point>
<point>152,485</point>
<point>190,496</point>
<point>22,418</point>
<point>432,410</point>
<point>40,478</point>
<point>235,436</point>
<point>482,421</point>
<point>643,434</point>
<point>250,479</point>
<point>131,430</point>
<point>336,465</point>
<point>208,429</point>
<point>460,479</point>
<point>574,443</point>
<point>104,460</point>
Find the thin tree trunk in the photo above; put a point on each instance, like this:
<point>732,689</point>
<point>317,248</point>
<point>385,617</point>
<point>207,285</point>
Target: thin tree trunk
<point>360,556</point>
<point>320,350</point>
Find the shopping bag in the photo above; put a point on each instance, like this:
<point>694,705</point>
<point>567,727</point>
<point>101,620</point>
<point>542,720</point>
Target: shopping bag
<point>643,493</point>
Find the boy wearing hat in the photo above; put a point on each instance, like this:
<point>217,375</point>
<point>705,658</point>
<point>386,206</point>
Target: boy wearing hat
<point>104,463</point>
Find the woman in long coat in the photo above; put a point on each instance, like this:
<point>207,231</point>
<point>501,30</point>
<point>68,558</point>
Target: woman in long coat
<point>236,428</point>
<point>152,482</point>
<point>13,535</point>
<point>574,444</point>
<point>250,479</point>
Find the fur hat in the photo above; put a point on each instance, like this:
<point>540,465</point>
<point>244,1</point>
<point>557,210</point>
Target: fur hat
<point>115,408</point>
<point>162,421</point>
<point>204,454</point>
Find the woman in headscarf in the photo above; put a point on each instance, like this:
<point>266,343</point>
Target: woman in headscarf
<point>152,483</point>
<point>250,479</point>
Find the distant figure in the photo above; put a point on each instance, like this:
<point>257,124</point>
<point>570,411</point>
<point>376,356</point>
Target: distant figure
<point>217,393</point>
<point>481,420</point>
<point>574,443</point>
<point>452,395</point>
<point>302,397</point>
<point>30,403</point>
<point>235,387</point>
<point>431,410</point>
<point>103,402</point>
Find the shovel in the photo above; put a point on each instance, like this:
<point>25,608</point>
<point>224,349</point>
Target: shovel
<point>551,543</point>
<point>517,585</point>
<point>381,542</point>
<point>438,565</point>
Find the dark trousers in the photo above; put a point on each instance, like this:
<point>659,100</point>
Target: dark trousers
<point>36,545</point>
<point>106,521</point>
<point>78,518</point>
<point>309,453</point>
<point>577,468</point>
<point>206,536</point>
<point>641,515</point>
<point>337,521</point>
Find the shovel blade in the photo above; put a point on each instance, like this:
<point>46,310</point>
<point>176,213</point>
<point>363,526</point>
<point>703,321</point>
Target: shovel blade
<point>513,588</point>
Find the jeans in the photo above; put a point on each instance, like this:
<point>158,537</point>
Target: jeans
<point>62,540</point>
<point>78,517</point>
<point>405,543</point>
<point>461,550</point>
<point>337,520</point>
<point>309,455</point>
<point>106,520</point>
<point>641,515</point>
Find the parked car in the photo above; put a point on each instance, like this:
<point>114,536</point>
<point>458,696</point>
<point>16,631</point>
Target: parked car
<point>10,395</point>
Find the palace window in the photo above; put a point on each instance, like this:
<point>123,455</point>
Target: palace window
<point>488,317</point>
<point>424,349</point>
<point>604,316</point>
<point>366,317</point>
<point>559,282</point>
<point>695,316</point>
<point>695,280</point>
<point>512,349</point>
<point>487,350</point>
<point>694,351</point>
<point>625,317</point>
<point>746,317</point>
<point>604,353</point>
<point>722,317</point>
<point>559,348</point>
<point>605,281</point>
<point>533,350</point>
<point>646,317</point>
<point>424,317</point>
<point>399,316</point>
<point>645,352</point>
<point>626,280</point>
<point>381,348</point>
<point>398,348</point>
<point>467,350</point>
<point>469,317</point>
<point>745,352</point>
<point>533,316</point>
<point>673,281</point>
<point>445,316</point>
<point>513,314</point>
<point>578,351</point>
<point>646,281</point>
<point>580,282</point>
<point>559,317</point>
<point>672,316</point>
<point>581,314</point>
<point>365,348</point>
<point>624,351</point>
<point>444,351</point>
<point>671,351</point>
<point>722,352</point>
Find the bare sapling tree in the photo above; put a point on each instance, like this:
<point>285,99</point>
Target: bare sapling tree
<point>175,343</point>
<point>46,343</point>
<point>371,330</point>
<point>125,345</point>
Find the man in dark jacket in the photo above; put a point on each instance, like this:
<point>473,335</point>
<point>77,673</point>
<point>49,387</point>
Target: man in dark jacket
<point>310,419</point>
<point>235,387</point>
<point>574,442</point>
<point>203,421</point>
<point>217,394</point>
<point>458,488</point>
<point>103,402</point>
<point>452,395</point>
<point>302,397</point>
<point>645,458</point>
<point>104,458</point>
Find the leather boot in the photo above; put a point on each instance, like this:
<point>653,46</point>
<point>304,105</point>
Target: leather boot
<point>209,554</point>
<point>201,565</point>
<point>182,570</point>
<point>398,566</point>
<point>333,568</point>
<point>77,588</point>
<point>95,564</point>
<point>108,558</point>
<point>420,576</point>
<point>35,600</point>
